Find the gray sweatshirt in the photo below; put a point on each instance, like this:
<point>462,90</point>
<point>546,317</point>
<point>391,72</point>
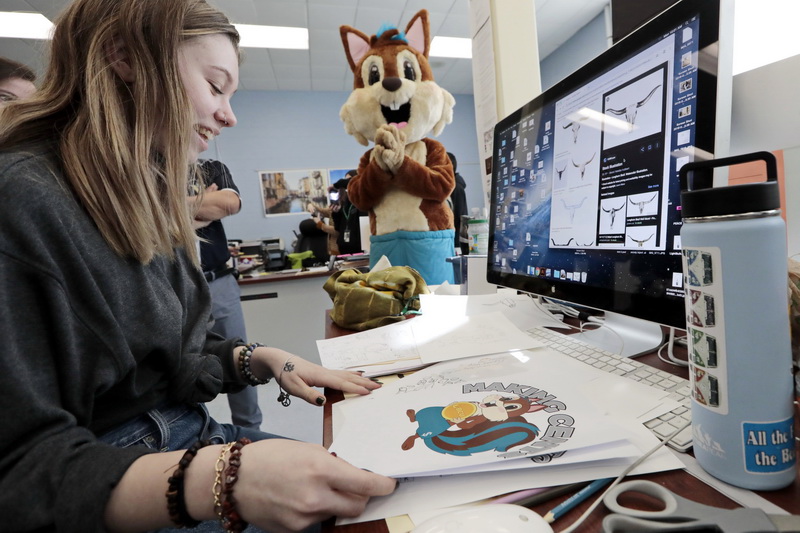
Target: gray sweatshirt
<point>89,340</point>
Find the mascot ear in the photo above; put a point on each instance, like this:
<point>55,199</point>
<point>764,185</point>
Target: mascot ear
<point>447,113</point>
<point>356,45</point>
<point>418,33</point>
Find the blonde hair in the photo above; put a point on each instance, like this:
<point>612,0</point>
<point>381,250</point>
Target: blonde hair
<point>105,129</point>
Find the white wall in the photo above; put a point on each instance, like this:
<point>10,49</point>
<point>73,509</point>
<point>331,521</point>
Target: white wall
<point>586,44</point>
<point>766,110</point>
<point>766,116</point>
<point>791,165</point>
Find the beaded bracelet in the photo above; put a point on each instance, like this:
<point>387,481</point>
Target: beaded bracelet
<point>232,521</point>
<point>244,365</point>
<point>176,502</point>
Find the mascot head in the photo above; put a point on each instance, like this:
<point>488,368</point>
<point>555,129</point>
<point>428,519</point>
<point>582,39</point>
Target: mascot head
<point>394,83</point>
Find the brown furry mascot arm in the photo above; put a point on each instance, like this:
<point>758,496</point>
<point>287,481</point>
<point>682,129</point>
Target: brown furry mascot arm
<point>433,181</point>
<point>367,188</point>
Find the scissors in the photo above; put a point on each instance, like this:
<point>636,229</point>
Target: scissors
<point>681,514</point>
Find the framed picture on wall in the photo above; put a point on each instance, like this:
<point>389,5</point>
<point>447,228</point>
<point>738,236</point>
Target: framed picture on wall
<point>285,192</point>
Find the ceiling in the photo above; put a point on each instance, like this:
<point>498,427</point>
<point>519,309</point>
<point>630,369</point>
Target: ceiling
<point>323,67</point>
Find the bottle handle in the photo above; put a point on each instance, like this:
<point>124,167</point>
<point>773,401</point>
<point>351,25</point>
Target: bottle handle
<point>699,175</point>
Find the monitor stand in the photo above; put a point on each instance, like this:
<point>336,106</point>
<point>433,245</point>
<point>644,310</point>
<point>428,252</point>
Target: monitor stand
<point>639,336</point>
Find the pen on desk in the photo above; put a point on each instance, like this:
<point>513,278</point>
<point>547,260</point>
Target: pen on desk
<point>533,497</point>
<point>547,495</point>
<point>576,499</point>
<point>519,495</point>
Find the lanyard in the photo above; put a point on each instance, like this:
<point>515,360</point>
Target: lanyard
<point>347,211</point>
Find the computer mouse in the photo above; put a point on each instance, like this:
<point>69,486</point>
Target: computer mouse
<point>487,518</point>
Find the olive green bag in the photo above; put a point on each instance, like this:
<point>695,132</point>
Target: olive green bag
<point>364,301</point>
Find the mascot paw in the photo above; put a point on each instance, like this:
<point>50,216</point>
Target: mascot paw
<point>390,143</point>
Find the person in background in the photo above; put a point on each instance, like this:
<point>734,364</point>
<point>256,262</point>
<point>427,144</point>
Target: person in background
<point>346,219</point>
<point>458,200</point>
<point>346,225</point>
<point>323,218</point>
<point>16,81</point>
<point>220,198</point>
<point>107,358</point>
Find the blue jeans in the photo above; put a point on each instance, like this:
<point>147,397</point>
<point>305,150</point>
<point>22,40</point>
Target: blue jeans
<point>177,427</point>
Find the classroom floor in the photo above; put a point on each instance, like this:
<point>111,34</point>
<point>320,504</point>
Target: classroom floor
<point>301,420</point>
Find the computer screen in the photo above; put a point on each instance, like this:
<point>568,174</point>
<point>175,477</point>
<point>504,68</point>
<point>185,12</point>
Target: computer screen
<point>585,195</point>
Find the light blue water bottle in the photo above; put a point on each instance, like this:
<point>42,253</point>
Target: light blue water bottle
<point>735,267</point>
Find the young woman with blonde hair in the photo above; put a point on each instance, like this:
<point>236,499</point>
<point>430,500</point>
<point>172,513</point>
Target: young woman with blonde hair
<point>106,358</point>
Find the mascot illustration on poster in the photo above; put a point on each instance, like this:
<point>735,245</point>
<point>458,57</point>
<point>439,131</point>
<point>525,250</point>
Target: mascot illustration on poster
<point>404,181</point>
<point>463,428</point>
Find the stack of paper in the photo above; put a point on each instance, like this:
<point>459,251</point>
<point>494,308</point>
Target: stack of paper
<point>477,425</point>
<point>424,340</point>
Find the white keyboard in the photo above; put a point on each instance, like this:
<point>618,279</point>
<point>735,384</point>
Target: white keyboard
<point>679,390</point>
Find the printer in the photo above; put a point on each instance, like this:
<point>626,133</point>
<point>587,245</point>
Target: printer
<point>269,250</point>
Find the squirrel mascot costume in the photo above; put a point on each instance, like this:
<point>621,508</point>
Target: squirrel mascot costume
<point>404,181</point>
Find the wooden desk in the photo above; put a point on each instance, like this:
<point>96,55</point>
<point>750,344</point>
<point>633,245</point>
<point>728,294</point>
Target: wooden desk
<point>679,481</point>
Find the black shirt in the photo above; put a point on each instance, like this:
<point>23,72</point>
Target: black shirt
<point>214,254</point>
<point>346,222</point>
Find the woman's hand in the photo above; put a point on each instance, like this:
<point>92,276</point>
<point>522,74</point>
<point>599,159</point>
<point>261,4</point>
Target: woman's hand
<point>283,485</point>
<point>298,377</point>
<point>286,485</point>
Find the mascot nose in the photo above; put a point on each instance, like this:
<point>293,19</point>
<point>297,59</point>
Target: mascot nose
<point>392,84</point>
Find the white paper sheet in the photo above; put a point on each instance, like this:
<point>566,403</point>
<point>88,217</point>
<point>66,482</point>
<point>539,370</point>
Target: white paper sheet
<point>372,348</point>
<point>520,309</point>
<point>403,428</point>
<point>423,340</point>
<point>614,395</point>
<point>441,338</point>
<point>420,494</point>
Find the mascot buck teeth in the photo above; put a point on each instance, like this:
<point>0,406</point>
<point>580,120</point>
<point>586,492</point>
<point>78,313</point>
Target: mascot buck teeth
<point>404,181</point>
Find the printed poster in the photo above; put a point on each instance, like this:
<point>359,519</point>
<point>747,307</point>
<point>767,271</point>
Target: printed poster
<point>285,192</point>
<point>472,415</point>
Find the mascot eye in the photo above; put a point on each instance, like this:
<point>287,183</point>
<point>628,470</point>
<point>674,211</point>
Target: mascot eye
<point>374,75</point>
<point>408,70</point>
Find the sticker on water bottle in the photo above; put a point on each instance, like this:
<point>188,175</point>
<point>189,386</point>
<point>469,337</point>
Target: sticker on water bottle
<point>704,349</point>
<point>768,446</point>
<point>702,269</point>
